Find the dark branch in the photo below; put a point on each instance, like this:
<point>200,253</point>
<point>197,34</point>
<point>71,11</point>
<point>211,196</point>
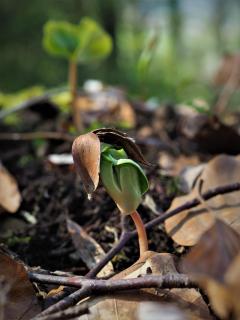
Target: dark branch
<point>171,280</point>
<point>95,286</point>
<point>69,313</point>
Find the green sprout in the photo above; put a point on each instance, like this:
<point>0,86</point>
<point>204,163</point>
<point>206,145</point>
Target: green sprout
<point>82,43</point>
<point>122,177</point>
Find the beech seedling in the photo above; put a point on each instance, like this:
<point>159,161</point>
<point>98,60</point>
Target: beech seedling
<point>113,156</point>
<point>83,43</point>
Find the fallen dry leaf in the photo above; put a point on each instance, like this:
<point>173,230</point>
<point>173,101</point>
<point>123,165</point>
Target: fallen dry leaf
<point>187,227</point>
<point>126,305</point>
<point>20,300</point>
<point>88,249</point>
<point>214,252</point>
<point>214,262</point>
<point>173,166</point>
<point>107,105</point>
<point>10,197</point>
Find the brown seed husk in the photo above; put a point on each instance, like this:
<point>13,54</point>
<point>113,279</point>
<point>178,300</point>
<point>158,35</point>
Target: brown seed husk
<point>86,155</point>
<point>121,140</point>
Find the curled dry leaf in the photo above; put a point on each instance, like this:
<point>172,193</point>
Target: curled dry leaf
<point>21,301</point>
<point>87,248</point>
<point>187,227</point>
<point>214,252</point>
<point>214,262</point>
<point>10,197</point>
<point>126,304</point>
<point>86,155</point>
<point>121,140</point>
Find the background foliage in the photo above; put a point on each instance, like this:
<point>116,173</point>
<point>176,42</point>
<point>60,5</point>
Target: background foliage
<point>192,37</point>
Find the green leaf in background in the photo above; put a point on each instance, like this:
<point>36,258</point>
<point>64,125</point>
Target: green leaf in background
<point>83,43</point>
<point>147,55</point>
<point>61,38</point>
<point>95,43</point>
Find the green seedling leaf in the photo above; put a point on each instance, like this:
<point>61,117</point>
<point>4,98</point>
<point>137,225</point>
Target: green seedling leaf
<point>83,43</point>
<point>61,39</point>
<point>123,179</point>
<point>95,44</point>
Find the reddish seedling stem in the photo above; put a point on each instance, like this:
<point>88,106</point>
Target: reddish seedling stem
<point>142,235</point>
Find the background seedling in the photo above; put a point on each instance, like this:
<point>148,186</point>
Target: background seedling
<point>83,43</point>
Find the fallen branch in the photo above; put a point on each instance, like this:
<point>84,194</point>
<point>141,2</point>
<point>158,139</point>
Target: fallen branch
<point>90,287</point>
<point>170,280</point>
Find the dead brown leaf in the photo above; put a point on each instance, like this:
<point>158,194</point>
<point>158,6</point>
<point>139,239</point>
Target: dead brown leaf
<point>10,197</point>
<point>20,301</point>
<point>187,227</point>
<point>173,166</point>
<point>89,250</point>
<point>214,262</point>
<point>214,252</point>
<point>108,105</point>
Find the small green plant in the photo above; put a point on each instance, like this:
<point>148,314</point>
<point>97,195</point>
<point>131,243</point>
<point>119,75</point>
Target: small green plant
<point>82,43</point>
<point>112,155</point>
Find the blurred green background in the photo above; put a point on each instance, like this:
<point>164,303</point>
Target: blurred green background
<point>192,37</point>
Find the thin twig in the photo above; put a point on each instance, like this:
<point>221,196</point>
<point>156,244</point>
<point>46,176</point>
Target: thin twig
<point>124,238</point>
<point>70,313</point>
<point>68,301</point>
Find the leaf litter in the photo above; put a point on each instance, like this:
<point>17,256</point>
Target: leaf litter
<point>58,191</point>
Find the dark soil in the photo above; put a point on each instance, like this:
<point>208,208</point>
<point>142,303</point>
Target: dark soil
<point>53,193</point>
